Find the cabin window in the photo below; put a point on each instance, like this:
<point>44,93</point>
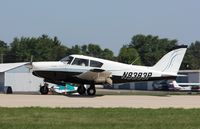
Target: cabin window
<point>95,63</point>
<point>67,59</point>
<point>81,62</point>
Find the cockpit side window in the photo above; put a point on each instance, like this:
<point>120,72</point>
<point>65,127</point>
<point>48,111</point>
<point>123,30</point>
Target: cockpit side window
<point>67,59</point>
<point>80,62</point>
<point>95,64</point>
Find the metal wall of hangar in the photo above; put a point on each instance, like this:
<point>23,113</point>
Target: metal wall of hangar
<point>191,76</point>
<point>19,77</point>
<point>146,85</point>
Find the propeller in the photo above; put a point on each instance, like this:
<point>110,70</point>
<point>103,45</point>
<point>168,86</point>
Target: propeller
<point>30,64</point>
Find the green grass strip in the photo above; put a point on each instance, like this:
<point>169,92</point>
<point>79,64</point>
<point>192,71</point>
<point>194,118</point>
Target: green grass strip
<point>99,118</point>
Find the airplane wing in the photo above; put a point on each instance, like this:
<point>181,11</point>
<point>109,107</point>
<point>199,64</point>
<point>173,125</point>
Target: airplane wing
<point>96,75</point>
<point>189,84</point>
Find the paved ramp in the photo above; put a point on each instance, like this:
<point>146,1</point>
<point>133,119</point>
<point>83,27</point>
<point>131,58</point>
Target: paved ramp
<point>99,101</point>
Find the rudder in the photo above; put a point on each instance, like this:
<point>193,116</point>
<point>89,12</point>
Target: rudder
<point>171,62</point>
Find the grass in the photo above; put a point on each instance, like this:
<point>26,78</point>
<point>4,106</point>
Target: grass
<point>98,118</point>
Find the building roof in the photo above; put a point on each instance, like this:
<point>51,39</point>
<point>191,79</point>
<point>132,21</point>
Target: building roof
<point>9,66</point>
<point>189,71</point>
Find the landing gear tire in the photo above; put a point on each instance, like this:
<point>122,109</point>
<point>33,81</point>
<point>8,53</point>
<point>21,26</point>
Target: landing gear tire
<point>44,90</point>
<point>81,90</point>
<point>91,90</point>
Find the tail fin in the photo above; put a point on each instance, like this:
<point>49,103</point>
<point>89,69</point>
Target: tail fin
<point>175,84</point>
<point>171,62</point>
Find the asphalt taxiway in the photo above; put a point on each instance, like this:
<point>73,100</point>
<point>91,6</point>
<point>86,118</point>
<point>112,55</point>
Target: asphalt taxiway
<point>106,101</point>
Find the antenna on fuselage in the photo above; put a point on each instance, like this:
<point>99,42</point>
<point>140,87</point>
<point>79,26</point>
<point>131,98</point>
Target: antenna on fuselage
<point>135,60</point>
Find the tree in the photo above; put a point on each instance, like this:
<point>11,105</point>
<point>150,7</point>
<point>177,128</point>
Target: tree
<point>129,55</point>
<point>151,48</point>
<point>92,50</point>
<point>107,54</point>
<point>3,51</point>
<point>74,50</point>
<point>192,57</point>
<point>3,46</point>
<point>84,49</point>
<point>42,48</point>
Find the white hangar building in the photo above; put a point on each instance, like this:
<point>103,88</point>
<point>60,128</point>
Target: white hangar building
<point>19,77</point>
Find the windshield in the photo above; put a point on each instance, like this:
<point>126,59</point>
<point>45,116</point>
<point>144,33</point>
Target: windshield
<point>67,59</point>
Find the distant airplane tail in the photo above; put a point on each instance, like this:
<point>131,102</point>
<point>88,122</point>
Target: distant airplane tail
<point>171,62</point>
<point>175,84</point>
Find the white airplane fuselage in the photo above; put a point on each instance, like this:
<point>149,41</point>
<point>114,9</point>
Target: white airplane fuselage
<point>59,71</point>
<point>89,70</point>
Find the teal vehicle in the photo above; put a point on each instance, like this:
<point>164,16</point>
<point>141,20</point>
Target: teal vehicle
<point>68,88</point>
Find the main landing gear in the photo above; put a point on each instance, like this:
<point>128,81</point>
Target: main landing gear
<point>91,91</point>
<point>81,89</point>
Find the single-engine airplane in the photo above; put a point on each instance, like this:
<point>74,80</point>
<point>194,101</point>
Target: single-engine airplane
<point>185,86</point>
<point>174,86</point>
<point>82,70</point>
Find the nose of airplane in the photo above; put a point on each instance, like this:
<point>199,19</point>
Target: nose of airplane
<point>38,65</point>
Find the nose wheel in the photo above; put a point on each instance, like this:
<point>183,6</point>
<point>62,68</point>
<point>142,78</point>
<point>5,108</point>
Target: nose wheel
<point>44,90</point>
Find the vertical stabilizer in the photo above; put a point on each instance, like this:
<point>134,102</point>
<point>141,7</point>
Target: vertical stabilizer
<point>171,62</point>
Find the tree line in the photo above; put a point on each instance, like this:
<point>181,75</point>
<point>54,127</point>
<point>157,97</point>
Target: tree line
<point>142,50</point>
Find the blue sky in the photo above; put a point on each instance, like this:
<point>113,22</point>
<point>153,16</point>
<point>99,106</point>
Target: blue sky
<point>109,23</point>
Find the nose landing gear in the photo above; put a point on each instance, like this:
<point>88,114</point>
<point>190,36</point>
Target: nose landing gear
<point>44,89</point>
